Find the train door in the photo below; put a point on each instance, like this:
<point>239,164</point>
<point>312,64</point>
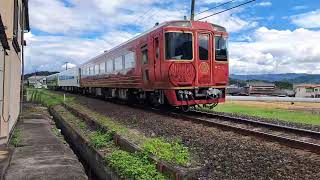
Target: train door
<point>156,57</point>
<point>145,65</point>
<point>204,58</point>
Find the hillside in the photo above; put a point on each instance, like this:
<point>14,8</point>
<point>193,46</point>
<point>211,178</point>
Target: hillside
<point>289,77</point>
<point>40,73</point>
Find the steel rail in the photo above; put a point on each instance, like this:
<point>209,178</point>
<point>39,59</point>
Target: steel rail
<point>287,141</point>
<point>272,126</point>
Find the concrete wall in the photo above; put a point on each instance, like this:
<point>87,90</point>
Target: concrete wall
<point>12,61</point>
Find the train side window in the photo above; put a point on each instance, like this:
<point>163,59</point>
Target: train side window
<point>157,48</point>
<point>109,66</point>
<point>144,54</point>
<point>102,69</point>
<point>203,40</point>
<point>96,69</point>
<point>91,70</point>
<point>129,61</point>
<point>118,63</point>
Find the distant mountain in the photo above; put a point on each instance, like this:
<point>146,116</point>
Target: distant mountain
<point>289,77</point>
<point>40,73</point>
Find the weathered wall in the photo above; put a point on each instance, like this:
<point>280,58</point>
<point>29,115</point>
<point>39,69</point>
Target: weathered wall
<point>11,75</point>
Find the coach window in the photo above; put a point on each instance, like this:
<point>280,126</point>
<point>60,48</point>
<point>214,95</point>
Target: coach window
<point>221,48</point>
<point>178,46</point>
<point>96,69</point>
<point>102,68</point>
<point>91,71</point>
<point>129,60</point>
<point>109,66</point>
<point>118,63</point>
<point>144,54</point>
<point>203,46</point>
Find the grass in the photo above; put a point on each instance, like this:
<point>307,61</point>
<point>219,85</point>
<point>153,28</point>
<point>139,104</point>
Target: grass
<point>272,113</point>
<point>171,152</point>
<point>133,166</point>
<point>16,138</point>
<point>47,98</point>
<point>56,131</point>
<point>100,139</point>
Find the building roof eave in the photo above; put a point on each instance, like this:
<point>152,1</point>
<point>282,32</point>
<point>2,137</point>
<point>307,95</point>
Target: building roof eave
<point>3,36</point>
<point>27,25</point>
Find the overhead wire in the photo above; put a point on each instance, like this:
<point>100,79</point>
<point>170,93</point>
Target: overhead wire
<point>226,10</point>
<point>215,7</point>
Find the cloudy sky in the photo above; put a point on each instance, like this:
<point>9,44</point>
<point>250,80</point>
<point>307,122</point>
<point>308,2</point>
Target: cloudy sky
<point>267,36</point>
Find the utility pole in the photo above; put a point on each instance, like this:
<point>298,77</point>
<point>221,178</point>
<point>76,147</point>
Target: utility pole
<point>66,65</point>
<point>192,10</point>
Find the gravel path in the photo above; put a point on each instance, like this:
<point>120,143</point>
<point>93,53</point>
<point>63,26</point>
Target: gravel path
<point>230,155</point>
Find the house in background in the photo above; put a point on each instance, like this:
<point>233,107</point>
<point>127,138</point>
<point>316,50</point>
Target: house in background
<point>14,22</point>
<point>307,90</point>
<point>36,81</point>
<point>261,88</point>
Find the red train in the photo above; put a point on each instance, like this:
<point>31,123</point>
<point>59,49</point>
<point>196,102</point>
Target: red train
<point>180,63</point>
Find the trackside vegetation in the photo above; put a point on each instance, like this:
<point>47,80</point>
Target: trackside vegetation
<point>171,152</point>
<point>133,165</point>
<point>129,165</point>
<point>16,137</point>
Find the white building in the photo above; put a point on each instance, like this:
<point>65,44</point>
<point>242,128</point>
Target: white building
<point>307,90</point>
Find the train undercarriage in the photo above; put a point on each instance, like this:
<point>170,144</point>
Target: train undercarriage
<point>185,99</point>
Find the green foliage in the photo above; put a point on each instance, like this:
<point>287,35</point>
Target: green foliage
<point>100,139</point>
<point>16,138</point>
<point>240,83</point>
<point>133,166</point>
<point>283,85</point>
<point>56,131</point>
<point>46,97</point>
<point>82,125</point>
<point>172,152</point>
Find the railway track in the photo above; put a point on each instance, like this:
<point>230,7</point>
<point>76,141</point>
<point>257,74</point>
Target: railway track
<point>289,136</point>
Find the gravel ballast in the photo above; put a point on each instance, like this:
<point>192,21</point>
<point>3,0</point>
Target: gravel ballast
<point>229,155</point>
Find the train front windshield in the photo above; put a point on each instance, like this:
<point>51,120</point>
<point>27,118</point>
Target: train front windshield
<point>178,46</point>
<point>221,47</point>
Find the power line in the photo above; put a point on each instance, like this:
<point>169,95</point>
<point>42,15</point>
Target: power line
<point>226,9</point>
<point>215,7</point>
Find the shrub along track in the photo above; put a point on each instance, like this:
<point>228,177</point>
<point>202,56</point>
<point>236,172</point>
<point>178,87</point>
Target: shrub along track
<point>231,156</point>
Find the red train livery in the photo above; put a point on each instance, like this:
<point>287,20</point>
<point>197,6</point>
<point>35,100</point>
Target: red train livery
<point>181,63</point>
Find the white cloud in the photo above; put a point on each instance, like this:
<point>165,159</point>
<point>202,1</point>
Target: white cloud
<point>264,3</point>
<point>275,51</point>
<point>68,65</point>
<point>307,20</point>
<point>300,7</point>
<point>51,52</point>
<point>230,20</point>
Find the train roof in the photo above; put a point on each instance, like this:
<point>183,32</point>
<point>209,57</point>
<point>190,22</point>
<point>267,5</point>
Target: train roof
<point>177,23</point>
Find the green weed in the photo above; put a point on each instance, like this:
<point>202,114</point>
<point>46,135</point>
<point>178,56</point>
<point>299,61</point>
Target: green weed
<point>171,152</point>
<point>16,138</point>
<point>100,139</point>
<point>133,166</point>
<point>82,125</point>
